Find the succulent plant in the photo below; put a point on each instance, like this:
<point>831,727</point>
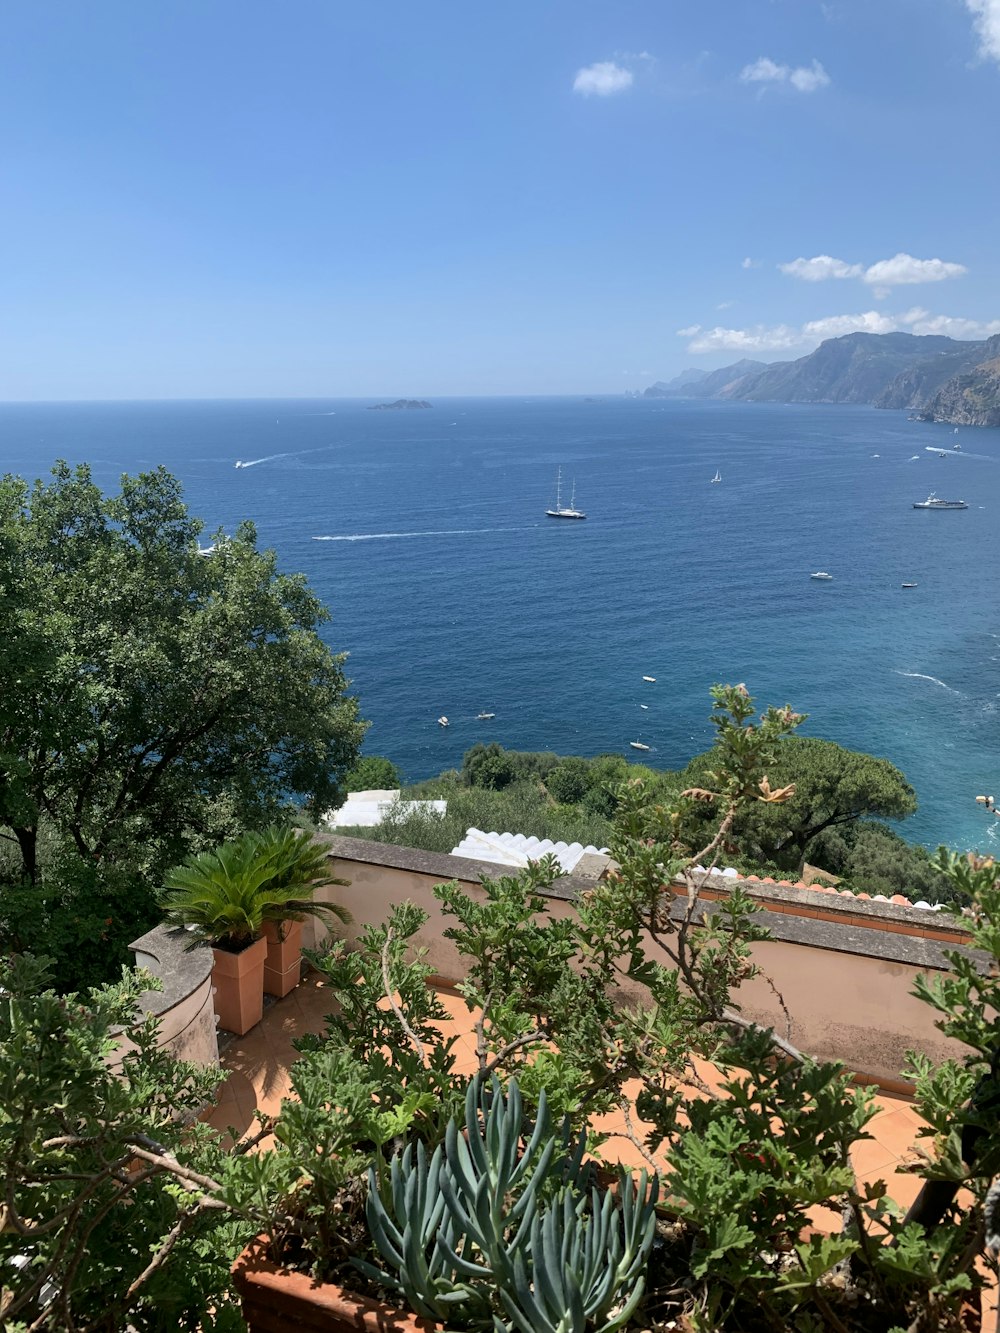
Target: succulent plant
<point>502,1228</point>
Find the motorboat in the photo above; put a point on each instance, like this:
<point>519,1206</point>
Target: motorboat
<point>908,585</point>
<point>442,721</point>
<point>484,717</point>
<point>932,502</point>
<point>239,463</point>
<point>561,510</point>
<point>651,679</point>
<point>821,574</point>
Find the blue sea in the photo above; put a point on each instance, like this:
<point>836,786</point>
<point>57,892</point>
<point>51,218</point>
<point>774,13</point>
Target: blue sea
<point>425,533</point>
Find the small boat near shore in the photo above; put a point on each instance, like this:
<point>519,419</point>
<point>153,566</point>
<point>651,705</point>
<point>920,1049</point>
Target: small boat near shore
<point>484,717</point>
<point>821,574</point>
<point>638,745</point>
<point>443,721</point>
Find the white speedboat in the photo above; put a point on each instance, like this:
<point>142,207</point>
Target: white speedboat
<point>239,463</point>
<point>561,510</point>
<point>442,721</point>
<point>484,717</point>
<point>909,585</point>
<point>821,574</point>
<point>932,502</point>
<point>651,679</point>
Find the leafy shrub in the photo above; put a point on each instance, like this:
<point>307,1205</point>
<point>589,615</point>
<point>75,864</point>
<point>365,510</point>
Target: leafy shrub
<point>372,773</point>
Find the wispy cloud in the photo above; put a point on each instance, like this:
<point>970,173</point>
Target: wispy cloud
<point>803,78</point>
<point>787,337</point>
<point>750,263</point>
<point>602,79</point>
<point>986,21</point>
<point>821,267</point>
<point>899,271</point>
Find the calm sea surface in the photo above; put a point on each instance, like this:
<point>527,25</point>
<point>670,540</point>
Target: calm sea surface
<point>425,534</point>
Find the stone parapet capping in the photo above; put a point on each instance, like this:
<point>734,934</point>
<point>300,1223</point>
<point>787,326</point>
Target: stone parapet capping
<point>184,1008</point>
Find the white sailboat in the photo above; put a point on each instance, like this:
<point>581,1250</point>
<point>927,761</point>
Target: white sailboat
<point>560,510</point>
<point>638,745</point>
<point>717,477</point>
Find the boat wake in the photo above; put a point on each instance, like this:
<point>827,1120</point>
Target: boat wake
<point>269,458</point>
<point>433,532</point>
<point>919,675</point>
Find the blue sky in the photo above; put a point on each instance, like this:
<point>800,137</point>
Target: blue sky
<point>311,197</point>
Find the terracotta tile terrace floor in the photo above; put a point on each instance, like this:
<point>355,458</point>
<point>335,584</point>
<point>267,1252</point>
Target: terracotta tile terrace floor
<point>256,1079</point>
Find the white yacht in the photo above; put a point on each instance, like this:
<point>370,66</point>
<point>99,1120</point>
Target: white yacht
<point>442,721</point>
<point>932,502</point>
<point>564,512</point>
<point>821,574</point>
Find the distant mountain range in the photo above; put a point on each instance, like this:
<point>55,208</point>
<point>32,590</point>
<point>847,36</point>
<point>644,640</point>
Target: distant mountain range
<point>938,378</point>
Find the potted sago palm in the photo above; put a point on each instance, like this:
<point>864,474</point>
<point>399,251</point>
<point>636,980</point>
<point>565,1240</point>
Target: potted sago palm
<point>229,896</point>
<point>299,866</point>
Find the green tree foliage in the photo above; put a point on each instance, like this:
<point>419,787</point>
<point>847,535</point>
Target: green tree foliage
<point>834,787</point>
<point>372,773</point>
<point>870,857</point>
<point>145,683</point>
<point>110,1215</point>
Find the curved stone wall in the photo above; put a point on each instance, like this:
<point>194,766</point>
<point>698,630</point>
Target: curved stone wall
<point>184,1006</point>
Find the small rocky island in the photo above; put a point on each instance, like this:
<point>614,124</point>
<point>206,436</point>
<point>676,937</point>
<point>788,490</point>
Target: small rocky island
<point>400,405</point>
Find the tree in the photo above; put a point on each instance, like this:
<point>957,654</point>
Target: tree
<point>372,773</point>
<point>833,787</point>
<point>489,766</point>
<point>147,683</point>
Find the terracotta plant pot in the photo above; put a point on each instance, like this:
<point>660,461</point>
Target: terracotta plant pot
<point>283,969</point>
<point>278,1300</point>
<point>238,986</point>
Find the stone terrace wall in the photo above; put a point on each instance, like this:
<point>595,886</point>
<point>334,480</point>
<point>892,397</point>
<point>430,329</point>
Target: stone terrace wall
<point>844,967</point>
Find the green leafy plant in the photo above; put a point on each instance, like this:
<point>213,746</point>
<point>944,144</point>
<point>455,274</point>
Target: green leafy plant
<point>500,1221</point>
<point>226,895</point>
<point>111,1216</point>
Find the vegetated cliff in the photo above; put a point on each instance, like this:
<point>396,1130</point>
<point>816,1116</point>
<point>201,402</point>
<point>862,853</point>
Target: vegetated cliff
<point>919,382</point>
<point>947,379</point>
<point>852,369</point>
<point>973,397</point>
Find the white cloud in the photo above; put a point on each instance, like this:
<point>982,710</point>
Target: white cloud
<point>756,339</point>
<point>764,70</point>
<point>821,267</point>
<point>725,305</point>
<point>781,337</point>
<point>803,78</point>
<point>835,326</point>
<point>882,276</point>
<point>986,21</point>
<point>602,79</point>
<point>903,269</point>
<point>807,80</point>
<point>750,263</point>
<point>952,326</point>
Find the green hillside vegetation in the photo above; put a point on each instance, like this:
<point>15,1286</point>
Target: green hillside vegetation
<point>834,822</point>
